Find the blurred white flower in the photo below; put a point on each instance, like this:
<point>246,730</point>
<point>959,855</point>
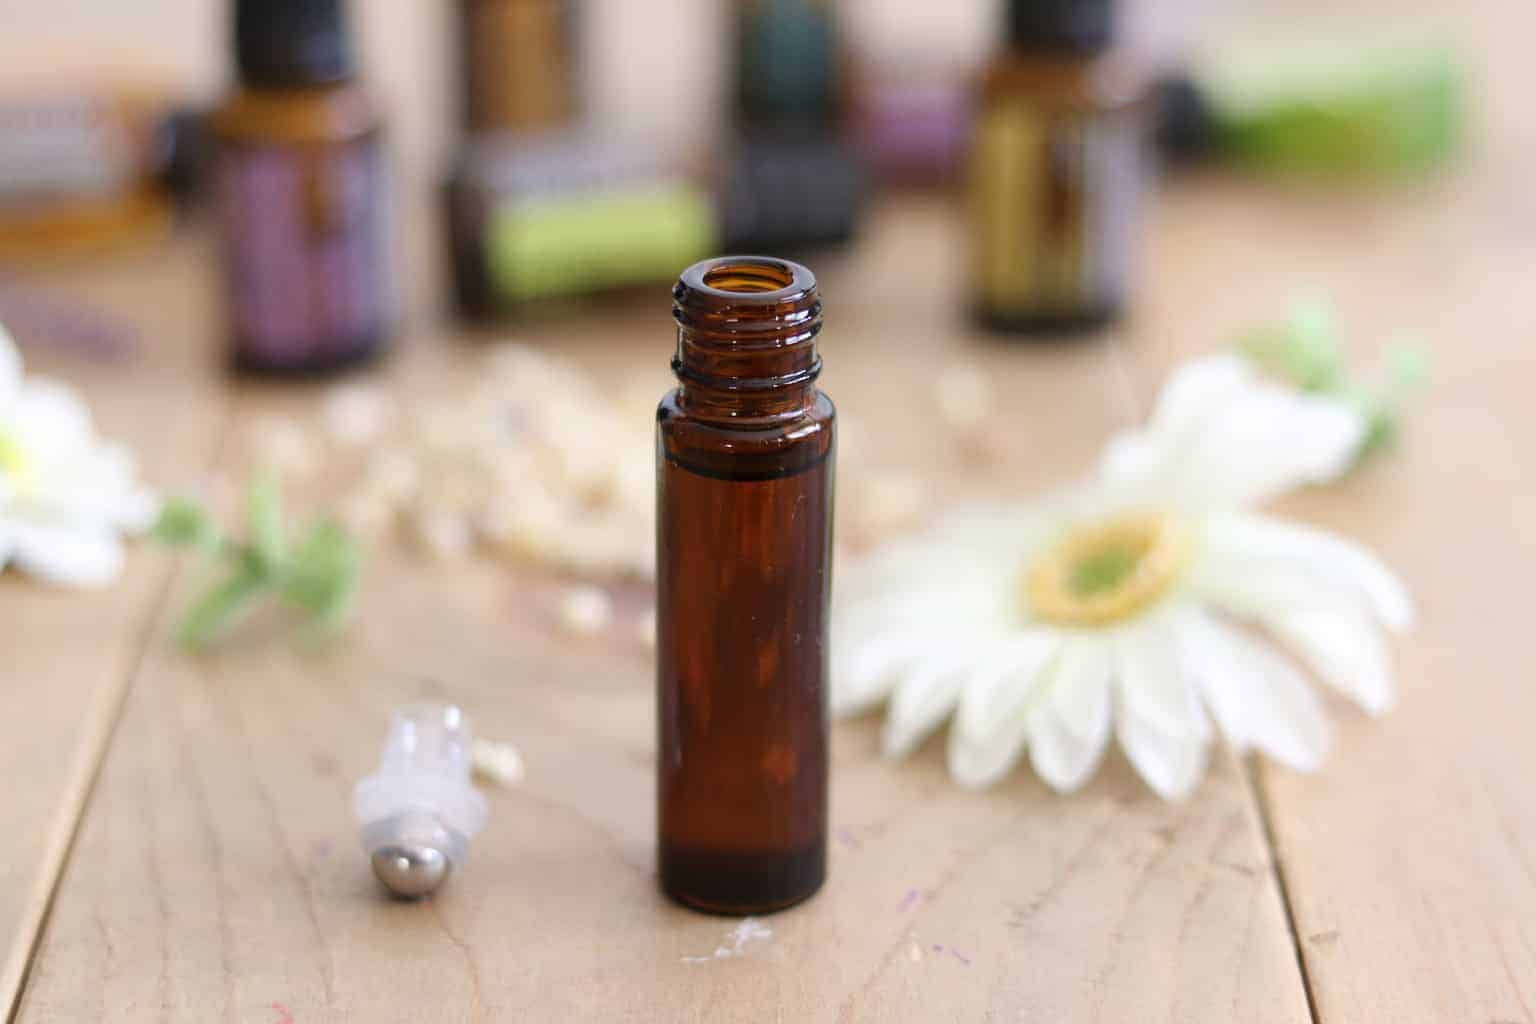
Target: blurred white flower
<point>66,496</point>
<point>1108,609</point>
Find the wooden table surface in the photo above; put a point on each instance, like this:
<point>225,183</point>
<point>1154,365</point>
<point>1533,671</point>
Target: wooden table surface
<point>180,845</point>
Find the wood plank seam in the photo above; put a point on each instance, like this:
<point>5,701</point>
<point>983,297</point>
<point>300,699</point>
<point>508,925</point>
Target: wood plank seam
<point>1122,363</point>
<point>1261,801</point>
<point>89,757</point>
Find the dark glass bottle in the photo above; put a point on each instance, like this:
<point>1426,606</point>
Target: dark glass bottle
<point>301,194</point>
<point>792,182</point>
<point>744,531</point>
<point>1056,172</point>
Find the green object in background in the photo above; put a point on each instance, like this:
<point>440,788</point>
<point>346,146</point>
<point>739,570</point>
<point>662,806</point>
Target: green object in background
<point>317,577</point>
<point>1335,102</point>
<point>1306,351</point>
<point>569,245</point>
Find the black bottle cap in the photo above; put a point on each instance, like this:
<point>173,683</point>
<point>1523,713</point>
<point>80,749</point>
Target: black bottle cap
<point>292,42</point>
<point>787,66</point>
<point>1079,27</point>
<point>1186,126</point>
<point>182,147</point>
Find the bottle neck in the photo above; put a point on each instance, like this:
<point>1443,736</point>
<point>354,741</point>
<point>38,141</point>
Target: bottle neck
<point>746,340</point>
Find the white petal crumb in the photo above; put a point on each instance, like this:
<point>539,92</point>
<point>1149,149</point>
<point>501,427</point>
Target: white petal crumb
<point>366,514</point>
<point>354,416</point>
<point>883,502</point>
<point>443,534</point>
<point>586,610</point>
<point>394,475</point>
<point>281,444</point>
<point>498,763</point>
<point>964,397</point>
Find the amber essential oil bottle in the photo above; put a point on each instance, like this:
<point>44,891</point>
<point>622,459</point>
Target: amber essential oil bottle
<point>1056,172</point>
<point>744,529</point>
<point>301,194</point>
<point>518,61</point>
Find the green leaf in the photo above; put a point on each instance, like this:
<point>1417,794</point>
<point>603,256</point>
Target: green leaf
<point>184,523</point>
<point>1305,351</point>
<point>323,574</point>
<point>264,518</point>
<point>317,578</point>
<point>213,612</point>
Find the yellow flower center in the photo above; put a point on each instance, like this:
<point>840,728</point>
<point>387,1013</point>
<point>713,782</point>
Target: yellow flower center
<point>1106,571</point>
<point>13,459</point>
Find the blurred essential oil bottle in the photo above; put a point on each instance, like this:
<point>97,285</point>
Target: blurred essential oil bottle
<point>302,194</point>
<point>1057,172</point>
<point>793,181</point>
<point>519,65</point>
<point>87,168</point>
<point>1321,98</point>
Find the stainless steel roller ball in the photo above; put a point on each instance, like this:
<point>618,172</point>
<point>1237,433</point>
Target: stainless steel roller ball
<point>411,871</point>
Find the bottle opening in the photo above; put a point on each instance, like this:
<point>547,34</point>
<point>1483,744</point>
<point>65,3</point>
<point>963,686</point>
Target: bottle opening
<point>745,282</point>
<point>749,277</point>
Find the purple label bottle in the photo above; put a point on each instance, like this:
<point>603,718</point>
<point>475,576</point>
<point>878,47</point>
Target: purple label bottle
<point>301,195</point>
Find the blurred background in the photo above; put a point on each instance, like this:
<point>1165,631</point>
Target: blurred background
<point>662,66</point>
<point>563,148</point>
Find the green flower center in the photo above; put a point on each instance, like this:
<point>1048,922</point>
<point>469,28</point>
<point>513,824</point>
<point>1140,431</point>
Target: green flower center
<point>1103,572</point>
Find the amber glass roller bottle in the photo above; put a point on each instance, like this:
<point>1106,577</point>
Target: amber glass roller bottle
<point>744,528</point>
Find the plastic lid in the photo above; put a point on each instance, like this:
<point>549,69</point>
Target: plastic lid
<point>1065,26</point>
<point>292,42</point>
<point>423,773</point>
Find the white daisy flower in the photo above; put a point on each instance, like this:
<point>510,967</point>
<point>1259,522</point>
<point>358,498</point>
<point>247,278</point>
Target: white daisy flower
<point>65,495</point>
<point>1116,608</point>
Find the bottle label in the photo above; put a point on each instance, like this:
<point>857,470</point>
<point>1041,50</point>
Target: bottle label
<point>1055,199</point>
<point>305,251</point>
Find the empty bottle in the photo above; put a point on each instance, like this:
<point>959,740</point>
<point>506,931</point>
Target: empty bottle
<point>744,531</point>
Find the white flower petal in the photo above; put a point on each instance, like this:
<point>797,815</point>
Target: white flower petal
<point>1154,685</point>
<point>1161,724</point>
<point>1268,442</point>
<point>1079,692</point>
<point>990,725</point>
<point>1329,629</point>
<point>1263,545</point>
<point>1221,435</point>
<point>1069,728</point>
<point>866,674</point>
<point>1198,387</point>
<point>925,694</point>
<point>51,420</point>
<point>1256,697</point>
<point>1171,765</point>
<point>10,371</point>
<point>139,511</point>
<point>1137,464</point>
<point>70,557</point>
<point>1344,648</point>
<point>1131,463</point>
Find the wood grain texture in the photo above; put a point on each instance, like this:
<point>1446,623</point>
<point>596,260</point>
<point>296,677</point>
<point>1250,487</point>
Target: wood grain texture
<point>217,877</point>
<point>69,654</point>
<point>1410,861</point>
